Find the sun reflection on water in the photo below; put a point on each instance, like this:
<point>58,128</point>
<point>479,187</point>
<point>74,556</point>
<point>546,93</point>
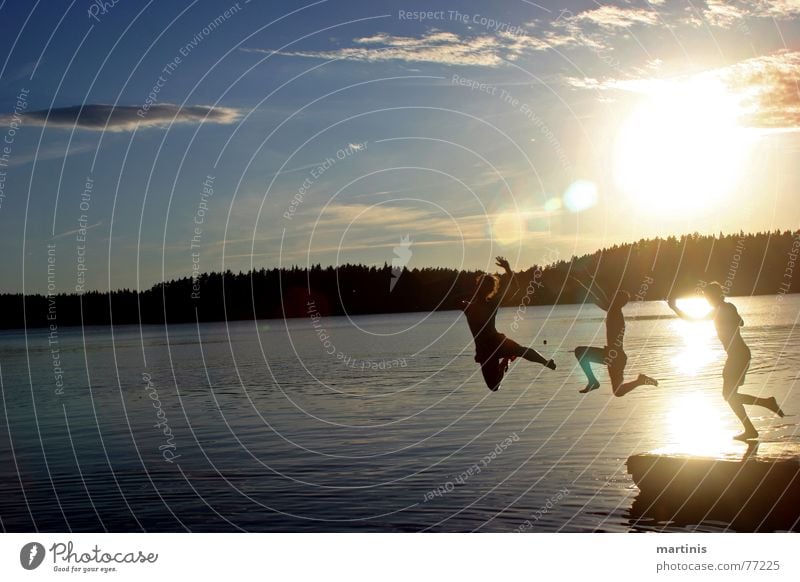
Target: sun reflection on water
<point>697,350</point>
<point>697,424</point>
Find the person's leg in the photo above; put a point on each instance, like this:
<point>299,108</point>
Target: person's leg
<point>493,373</point>
<point>616,373</point>
<point>738,373</point>
<point>734,401</point>
<point>768,403</point>
<point>641,380</point>
<point>586,356</point>
<point>512,348</point>
<point>733,377</point>
<point>616,370</point>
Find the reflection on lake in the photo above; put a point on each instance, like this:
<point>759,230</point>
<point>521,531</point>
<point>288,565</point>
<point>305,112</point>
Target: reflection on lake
<point>384,425</point>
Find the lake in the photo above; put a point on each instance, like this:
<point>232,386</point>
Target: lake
<point>370,423</point>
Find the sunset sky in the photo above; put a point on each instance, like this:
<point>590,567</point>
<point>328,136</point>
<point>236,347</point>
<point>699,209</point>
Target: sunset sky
<point>154,140</point>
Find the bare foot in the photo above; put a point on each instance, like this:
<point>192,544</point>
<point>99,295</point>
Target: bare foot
<point>647,380</point>
<point>747,435</point>
<point>552,365</point>
<point>589,387</point>
<point>772,404</point>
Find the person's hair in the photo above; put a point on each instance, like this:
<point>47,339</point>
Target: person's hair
<point>481,280</point>
<point>714,288</point>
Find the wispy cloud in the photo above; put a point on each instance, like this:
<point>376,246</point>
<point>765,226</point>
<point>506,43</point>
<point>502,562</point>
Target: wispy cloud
<point>589,28</point>
<point>98,117</point>
<point>425,224</point>
<point>728,13</point>
<point>722,13</point>
<point>49,153</point>
<point>76,231</point>
<point>448,48</point>
<point>384,216</point>
<point>435,47</point>
<point>611,17</point>
<point>765,88</point>
<point>597,28</point>
<point>769,87</point>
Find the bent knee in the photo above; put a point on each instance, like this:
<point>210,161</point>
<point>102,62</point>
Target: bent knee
<point>580,351</point>
<point>729,387</point>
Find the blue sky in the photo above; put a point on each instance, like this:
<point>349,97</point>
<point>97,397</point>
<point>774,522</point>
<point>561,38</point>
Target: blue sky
<point>221,135</point>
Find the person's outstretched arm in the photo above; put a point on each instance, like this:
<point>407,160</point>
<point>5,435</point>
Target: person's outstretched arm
<point>502,262</point>
<point>602,302</point>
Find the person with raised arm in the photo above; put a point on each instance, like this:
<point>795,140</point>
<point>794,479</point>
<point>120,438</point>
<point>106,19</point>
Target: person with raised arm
<point>727,322</point>
<point>493,350</point>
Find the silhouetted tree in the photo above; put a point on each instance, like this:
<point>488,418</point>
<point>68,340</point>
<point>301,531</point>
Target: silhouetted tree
<point>748,264</point>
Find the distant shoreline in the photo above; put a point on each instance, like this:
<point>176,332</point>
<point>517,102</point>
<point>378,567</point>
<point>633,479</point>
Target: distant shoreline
<point>600,316</point>
<point>654,269</point>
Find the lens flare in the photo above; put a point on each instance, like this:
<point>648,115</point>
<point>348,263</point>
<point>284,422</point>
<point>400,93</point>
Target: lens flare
<point>552,204</point>
<point>508,227</point>
<point>581,195</point>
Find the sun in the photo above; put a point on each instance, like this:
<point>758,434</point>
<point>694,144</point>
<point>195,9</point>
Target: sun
<point>682,150</point>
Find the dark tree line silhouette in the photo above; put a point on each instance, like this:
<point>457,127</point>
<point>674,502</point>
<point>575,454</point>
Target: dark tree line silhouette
<point>748,264</point>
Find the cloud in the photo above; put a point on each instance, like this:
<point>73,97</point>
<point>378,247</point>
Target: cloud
<point>613,17</point>
<point>728,13</point>
<point>435,47</point>
<point>765,89</point>
<point>98,117</point>
<point>58,152</point>
<point>722,13</point>
<point>590,29</point>
<point>769,89</point>
<point>77,230</point>
<point>448,48</point>
<point>383,216</point>
<point>596,28</point>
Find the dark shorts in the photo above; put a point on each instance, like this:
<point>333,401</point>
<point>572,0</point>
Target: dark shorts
<point>736,366</point>
<point>497,348</point>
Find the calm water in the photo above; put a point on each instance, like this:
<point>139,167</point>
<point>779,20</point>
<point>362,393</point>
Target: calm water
<point>351,424</point>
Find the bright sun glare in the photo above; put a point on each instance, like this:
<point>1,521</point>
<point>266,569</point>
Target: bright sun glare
<point>696,424</point>
<point>683,149</point>
<point>697,337</point>
<point>694,306</point>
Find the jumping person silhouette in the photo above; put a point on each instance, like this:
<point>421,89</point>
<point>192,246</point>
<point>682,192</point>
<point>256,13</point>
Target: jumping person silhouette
<point>727,321</point>
<point>493,350</point>
<point>613,353</point>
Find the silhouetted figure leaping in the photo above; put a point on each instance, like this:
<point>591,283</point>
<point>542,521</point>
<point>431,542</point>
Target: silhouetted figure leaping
<point>727,321</point>
<point>613,353</point>
<point>493,350</point>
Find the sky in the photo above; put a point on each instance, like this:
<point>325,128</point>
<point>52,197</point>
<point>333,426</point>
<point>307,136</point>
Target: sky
<point>142,142</point>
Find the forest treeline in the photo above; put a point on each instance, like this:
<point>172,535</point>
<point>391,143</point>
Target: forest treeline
<point>746,264</point>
